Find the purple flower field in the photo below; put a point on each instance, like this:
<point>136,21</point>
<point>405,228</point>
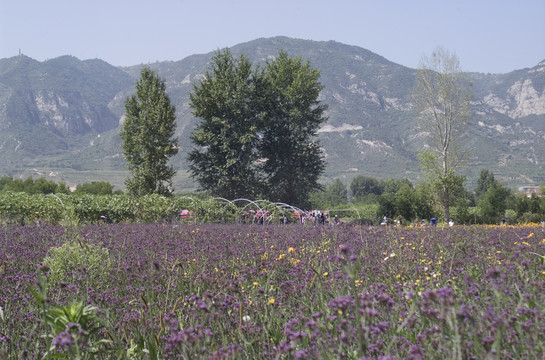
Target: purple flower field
<point>272,292</point>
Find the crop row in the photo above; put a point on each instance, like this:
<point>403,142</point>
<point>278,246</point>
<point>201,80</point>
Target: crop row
<point>23,209</point>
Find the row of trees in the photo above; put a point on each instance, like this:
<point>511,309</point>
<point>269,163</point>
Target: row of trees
<point>43,186</point>
<point>489,202</point>
<point>256,138</point>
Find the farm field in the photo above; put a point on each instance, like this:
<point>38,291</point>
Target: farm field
<point>233,291</point>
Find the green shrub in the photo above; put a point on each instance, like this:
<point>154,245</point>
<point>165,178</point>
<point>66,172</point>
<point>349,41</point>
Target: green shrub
<point>67,261</point>
<point>529,217</point>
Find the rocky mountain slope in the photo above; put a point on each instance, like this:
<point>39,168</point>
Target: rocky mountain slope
<point>60,118</point>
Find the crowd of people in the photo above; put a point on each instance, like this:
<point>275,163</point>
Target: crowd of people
<point>316,217</point>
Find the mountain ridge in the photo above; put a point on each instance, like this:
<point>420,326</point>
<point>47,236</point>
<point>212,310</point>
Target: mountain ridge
<point>60,118</point>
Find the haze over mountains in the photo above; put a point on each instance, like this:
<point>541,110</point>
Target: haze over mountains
<point>61,118</point>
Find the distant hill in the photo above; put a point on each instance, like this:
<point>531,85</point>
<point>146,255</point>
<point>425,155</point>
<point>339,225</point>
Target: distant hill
<point>61,118</point>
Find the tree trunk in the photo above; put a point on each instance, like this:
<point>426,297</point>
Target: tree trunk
<point>446,204</point>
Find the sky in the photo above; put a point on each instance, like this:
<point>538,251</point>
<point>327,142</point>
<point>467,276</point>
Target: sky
<point>489,36</point>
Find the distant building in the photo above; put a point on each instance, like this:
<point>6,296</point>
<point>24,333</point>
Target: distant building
<point>530,190</point>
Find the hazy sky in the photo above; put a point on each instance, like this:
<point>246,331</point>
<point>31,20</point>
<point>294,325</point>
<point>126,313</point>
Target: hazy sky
<point>494,36</point>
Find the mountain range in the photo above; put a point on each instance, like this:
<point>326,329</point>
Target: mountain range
<point>60,118</point>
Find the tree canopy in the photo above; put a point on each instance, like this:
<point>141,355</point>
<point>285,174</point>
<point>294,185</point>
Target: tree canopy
<point>292,115</point>
<point>257,135</point>
<point>225,101</point>
<point>148,136</point>
<point>33,186</point>
<point>362,185</point>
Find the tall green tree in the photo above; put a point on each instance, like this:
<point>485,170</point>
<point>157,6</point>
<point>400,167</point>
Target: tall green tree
<point>424,201</point>
<point>257,135</point>
<point>336,193</point>
<point>392,186</point>
<point>405,202</point>
<point>485,181</point>
<point>493,203</point>
<point>364,185</point>
<point>148,137</point>
<point>292,115</point>
<point>223,161</point>
<point>442,97</point>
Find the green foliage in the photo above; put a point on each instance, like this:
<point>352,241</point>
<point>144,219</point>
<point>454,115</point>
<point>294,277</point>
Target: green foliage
<point>365,212</point>
<point>65,262</point>
<point>392,186</point>
<point>149,208</point>
<point>31,186</point>
<point>424,206</point>
<point>225,101</point>
<point>386,206</point>
<point>335,194</point>
<point>493,203</point>
<point>95,187</point>
<point>292,115</point>
<point>24,209</point>
<point>447,186</point>
<point>405,201</point>
<point>364,185</point>
<point>394,198</point>
<point>258,128</point>
<point>148,137</point>
<point>530,209</point>
<point>73,329</point>
<point>485,181</point>
<point>493,198</point>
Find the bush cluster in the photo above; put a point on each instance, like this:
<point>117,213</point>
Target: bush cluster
<point>490,202</point>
